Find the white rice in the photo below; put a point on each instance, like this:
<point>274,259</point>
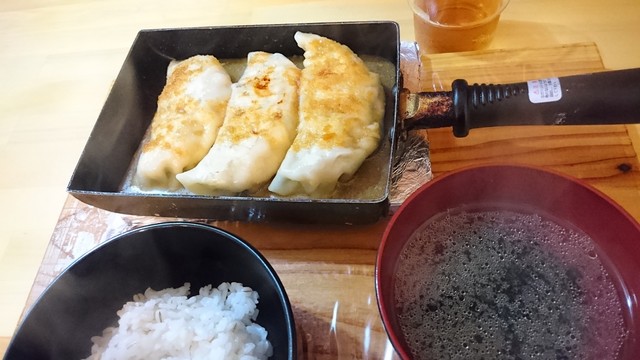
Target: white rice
<point>168,324</point>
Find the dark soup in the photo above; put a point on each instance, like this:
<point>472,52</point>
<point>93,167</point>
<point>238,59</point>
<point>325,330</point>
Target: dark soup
<point>506,285</point>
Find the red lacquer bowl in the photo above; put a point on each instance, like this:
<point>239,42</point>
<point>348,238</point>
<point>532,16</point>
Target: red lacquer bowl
<point>567,199</point>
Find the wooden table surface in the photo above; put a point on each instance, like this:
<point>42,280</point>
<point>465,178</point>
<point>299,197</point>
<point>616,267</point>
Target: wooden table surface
<point>61,57</point>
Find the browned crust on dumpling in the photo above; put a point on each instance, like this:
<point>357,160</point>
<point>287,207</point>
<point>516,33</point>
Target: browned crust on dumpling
<point>252,121</point>
<point>335,87</point>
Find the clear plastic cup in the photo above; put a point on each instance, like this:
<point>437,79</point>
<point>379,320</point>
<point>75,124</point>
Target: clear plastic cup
<point>455,25</point>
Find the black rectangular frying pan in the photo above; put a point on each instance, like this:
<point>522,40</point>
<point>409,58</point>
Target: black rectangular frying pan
<point>105,162</point>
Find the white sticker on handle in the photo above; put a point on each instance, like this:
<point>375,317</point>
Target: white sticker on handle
<point>544,90</point>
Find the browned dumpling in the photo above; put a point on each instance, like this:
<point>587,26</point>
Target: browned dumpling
<point>341,111</point>
<point>190,111</point>
<point>259,127</point>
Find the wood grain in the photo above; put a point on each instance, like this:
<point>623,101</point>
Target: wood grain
<point>602,156</point>
<point>506,66</point>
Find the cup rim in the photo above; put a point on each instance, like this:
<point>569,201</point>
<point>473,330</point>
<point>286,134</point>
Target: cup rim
<point>424,16</point>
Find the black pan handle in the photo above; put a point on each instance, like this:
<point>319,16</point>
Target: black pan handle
<point>610,97</point>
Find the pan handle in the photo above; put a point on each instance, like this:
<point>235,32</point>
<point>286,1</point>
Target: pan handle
<point>610,97</point>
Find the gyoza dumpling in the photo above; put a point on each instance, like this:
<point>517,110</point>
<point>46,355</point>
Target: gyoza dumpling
<point>259,127</point>
<point>190,111</point>
<point>341,110</point>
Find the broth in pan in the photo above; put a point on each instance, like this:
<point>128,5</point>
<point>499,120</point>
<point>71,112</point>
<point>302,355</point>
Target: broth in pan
<point>370,180</point>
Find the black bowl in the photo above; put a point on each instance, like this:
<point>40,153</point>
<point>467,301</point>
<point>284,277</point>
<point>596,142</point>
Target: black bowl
<point>83,300</point>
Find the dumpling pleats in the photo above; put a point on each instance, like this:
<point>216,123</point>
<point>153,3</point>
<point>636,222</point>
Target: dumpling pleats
<point>259,128</point>
<point>341,111</point>
<point>190,111</point>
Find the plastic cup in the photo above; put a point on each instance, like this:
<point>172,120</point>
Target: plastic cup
<point>455,25</point>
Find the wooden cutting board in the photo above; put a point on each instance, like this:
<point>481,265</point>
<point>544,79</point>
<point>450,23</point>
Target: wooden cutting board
<point>328,271</point>
<point>602,156</point>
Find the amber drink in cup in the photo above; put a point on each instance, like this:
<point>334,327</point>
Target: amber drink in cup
<point>455,25</point>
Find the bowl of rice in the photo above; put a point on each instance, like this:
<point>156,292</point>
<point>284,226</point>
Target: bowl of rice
<point>175,290</point>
